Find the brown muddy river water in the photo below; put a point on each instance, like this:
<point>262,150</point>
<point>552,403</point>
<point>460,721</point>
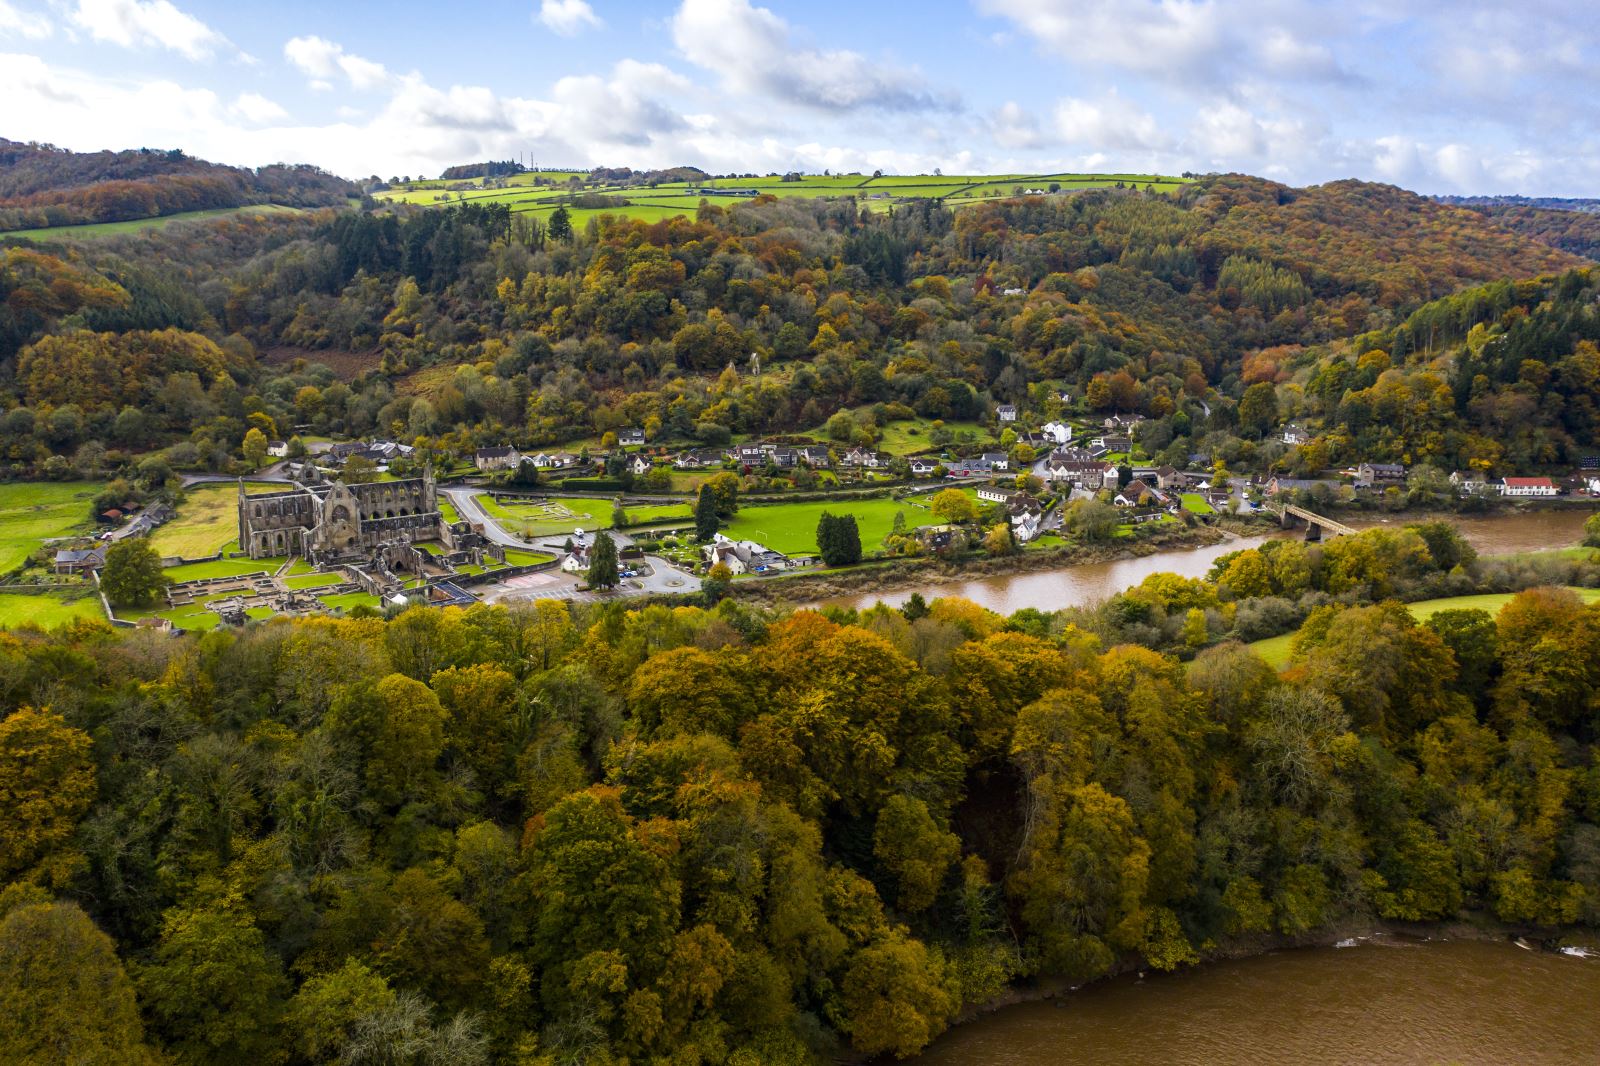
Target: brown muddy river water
<point>1051,590</point>
<point>1405,1003</point>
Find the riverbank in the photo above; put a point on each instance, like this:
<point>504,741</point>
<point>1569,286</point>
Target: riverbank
<point>1481,928</point>
<point>900,574</point>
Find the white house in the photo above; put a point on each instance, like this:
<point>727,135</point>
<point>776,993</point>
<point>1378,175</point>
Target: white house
<point>1527,486</point>
<point>503,458</point>
<point>1059,432</point>
<point>1006,412</point>
<point>1295,435</point>
<point>997,460</point>
<point>1468,482</point>
<point>1025,525</point>
<point>631,438</point>
<point>640,464</point>
<point>743,556</point>
<point>278,449</point>
<point>577,560</point>
<point>995,494</point>
<point>923,467</point>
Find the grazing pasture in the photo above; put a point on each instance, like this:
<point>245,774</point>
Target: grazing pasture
<point>46,610</point>
<point>791,528</point>
<point>206,521</point>
<point>31,511</point>
<point>671,199</point>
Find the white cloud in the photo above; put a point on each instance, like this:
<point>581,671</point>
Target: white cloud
<point>1013,126</point>
<point>324,60</point>
<point>1109,122</point>
<point>753,51</point>
<point>568,18</point>
<point>147,24</point>
<point>24,24</point>
<point>1167,37</point>
<point>258,109</point>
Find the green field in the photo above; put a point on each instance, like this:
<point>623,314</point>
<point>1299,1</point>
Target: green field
<point>517,557</point>
<point>313,581</point>
<point>31,511</point>
<point>1196,504</point>
<point>206,522</point>
<point>548,517</point>
<point>222,568</point>
<point>45,610</point>
<point>1276,650</point>
<point>671,199</point>
<point>652,513</point>
<point>348,600</point>
<point>791,528</point>
<point>111,229</point>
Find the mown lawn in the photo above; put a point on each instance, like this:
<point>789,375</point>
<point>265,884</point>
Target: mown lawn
<point>206,522</point>
<point>223,568</point>
<point>791,528</point>
<point>31,511</point>
<point>45,610</point>
<point>313,581</point>
<point>517,557</point>
<point>1276,650</point>
<point>350,600</point>
<point>642,513</point>
<point>543,518</point>
<point>1196,504</point>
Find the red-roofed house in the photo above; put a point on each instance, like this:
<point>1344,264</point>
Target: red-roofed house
<point>1527,486</point>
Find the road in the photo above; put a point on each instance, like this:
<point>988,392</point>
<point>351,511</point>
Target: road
<point>658,577</point>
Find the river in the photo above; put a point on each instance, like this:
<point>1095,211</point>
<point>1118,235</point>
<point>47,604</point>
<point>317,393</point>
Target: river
<point>1383,1001</point>
<point>1073,586</point>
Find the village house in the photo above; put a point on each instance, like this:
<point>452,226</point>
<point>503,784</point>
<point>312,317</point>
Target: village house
<point>1169,478</point>
<point>923,467</point>
<point>1469,482</point>
<point>1027,517</point>
<point>700,460</point>
<point>750,455</point>
<point>552,461</point>
<point>1280,485</point>
<point>997,460</point>
<point>502,458</point>
<point>815,456</point>
<point>631,438</point>
<point>1122,422</point>
<point>1368,475</point>
<point>75,561</point>
<point>1136,493</point>
<point>1088,473</point>
<point>743,556</point>
<point>864,459</point>
<point>1528,486</point>
<point>577,560</point>
<point>1295,435</point>
<point>784,458</point>
<point>278,449</point>
<point>640,464</point>
<point>966,468</point>
<point>1059,432</point>
<point>1037,441</point>
<point>995,494</point>
<point>1006,412</point>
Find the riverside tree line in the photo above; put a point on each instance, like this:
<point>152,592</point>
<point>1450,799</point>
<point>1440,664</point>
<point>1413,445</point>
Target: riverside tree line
<point>587,834</point>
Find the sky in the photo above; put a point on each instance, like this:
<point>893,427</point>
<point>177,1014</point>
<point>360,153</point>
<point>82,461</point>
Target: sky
<point>1440,96</point>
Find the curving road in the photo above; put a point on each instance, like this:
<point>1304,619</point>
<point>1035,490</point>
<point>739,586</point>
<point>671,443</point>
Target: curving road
<point>658,577</point>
